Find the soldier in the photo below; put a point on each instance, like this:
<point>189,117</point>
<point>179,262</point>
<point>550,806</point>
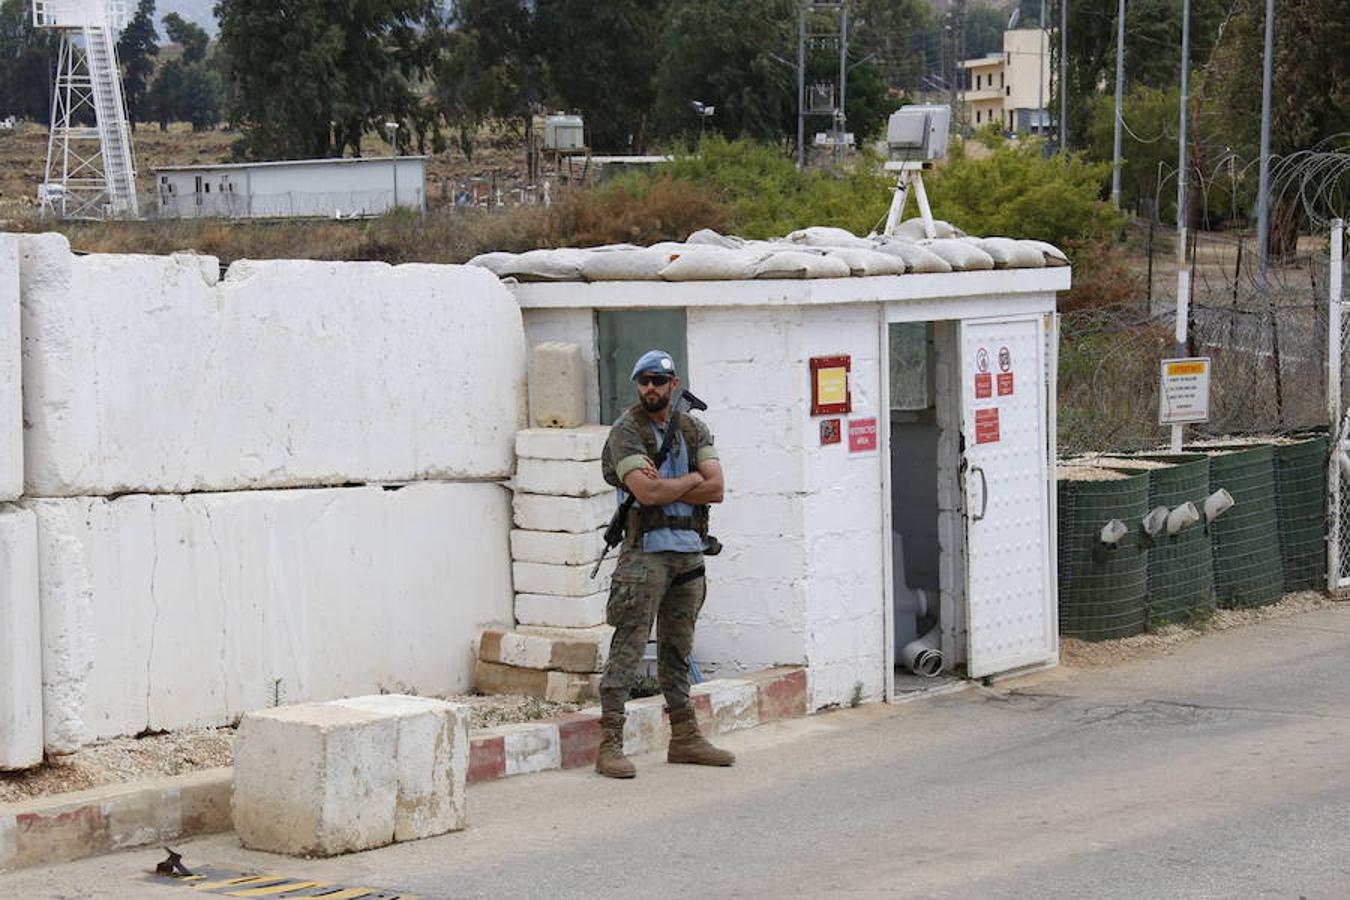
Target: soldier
<point>660,569</point>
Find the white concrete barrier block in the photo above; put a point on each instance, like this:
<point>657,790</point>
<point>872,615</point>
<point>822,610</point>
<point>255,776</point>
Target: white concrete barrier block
<point>735,703</point>
<point>561,612</point>
<point>599,635</point>
<point>11,403</point>
<point>431,758</point>
<point>645,727</point>
<point>315,780</point>
<point>578,515</point>
<point>531,747</point>
<point>277,376</point>
<point>20,641</point>
<point>584,443</point>
<point>558,386</point>
<point>565,477</point>
<point>557,547</point>
<point>285,592</point>
<point>563,581</point>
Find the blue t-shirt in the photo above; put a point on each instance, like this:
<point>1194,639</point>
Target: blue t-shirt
<point>680,540</point>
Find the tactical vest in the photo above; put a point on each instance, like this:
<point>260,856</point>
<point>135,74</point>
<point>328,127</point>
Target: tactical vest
<point>642,519</point>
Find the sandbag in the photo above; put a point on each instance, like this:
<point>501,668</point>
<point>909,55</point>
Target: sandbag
<point>962,257</point>
<point>825,236</point>
<point>795,264</point>
<point>912,229</point>
<point>1009,254</point>
<point>1053,255</point>
<point>864,262</point>
<point>710,264</point>
<point>638,264</point>
<point>709,238</point>
<point>535,265</point>
<point>917,259</point>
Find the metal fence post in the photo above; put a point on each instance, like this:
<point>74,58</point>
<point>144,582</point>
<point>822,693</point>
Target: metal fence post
<point>1334,406</point>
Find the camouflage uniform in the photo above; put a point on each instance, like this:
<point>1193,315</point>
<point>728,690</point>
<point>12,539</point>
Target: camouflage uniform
<point>651,582</point>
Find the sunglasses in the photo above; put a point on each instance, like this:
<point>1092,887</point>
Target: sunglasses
<point>653,380</point>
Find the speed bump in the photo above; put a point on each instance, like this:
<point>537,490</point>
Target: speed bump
<point>233,883</point>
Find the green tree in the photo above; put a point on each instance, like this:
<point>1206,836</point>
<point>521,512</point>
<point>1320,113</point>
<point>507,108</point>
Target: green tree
<point>136,51</point>
<point>602,59</point>
<point>720,54</point>
<point>1148,147</point>
<point>984,30</point>
<point>311,77</point>
<point>27,57</point>
<point>188,35</point>
<point>886,30</point>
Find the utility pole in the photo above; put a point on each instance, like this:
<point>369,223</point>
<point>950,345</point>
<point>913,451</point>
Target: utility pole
<point>841,116</point>
<point>1183,274</point>
<point>801,84</point>
<point>1120,102</point>
<point>1063,74</point>
<point>1040,70</point>
<point>1263,181</point>
<point>959,55</point>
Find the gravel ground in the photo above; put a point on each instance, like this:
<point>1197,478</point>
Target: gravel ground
<point>129,759</point>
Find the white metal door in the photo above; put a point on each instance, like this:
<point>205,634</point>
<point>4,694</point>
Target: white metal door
<point>1009,589</point>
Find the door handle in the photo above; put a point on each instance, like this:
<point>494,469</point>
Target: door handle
<point>984,494</point>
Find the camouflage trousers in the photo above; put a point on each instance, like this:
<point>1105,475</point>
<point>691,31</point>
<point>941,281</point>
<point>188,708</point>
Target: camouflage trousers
<point>668,587</point>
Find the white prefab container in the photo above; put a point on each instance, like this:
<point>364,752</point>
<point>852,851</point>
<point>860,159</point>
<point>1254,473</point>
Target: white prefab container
<point>329,188</point>
<point>923,504</point>
<point>564,133</point>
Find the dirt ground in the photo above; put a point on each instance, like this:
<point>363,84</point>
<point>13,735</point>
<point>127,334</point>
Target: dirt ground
<point>129,759</point>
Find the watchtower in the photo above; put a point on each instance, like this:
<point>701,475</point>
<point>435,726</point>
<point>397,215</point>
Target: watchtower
<point>90,169</point>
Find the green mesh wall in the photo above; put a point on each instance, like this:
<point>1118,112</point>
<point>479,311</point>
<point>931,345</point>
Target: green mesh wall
<point>1180,568</point>
<point>1301,504</point>
<point>1246,547</point>
<point>1101,593</point>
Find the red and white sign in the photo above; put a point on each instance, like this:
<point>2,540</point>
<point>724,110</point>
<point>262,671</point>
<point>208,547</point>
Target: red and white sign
<point>1005,384</point>
<point>986,425</point>
<point>862,435</point>
<point>984,385</point>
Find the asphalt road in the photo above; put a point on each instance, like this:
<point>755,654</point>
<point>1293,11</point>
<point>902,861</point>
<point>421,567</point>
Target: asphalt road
<point>1221,770</point>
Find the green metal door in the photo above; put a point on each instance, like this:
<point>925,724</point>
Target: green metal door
<point>625,335</point>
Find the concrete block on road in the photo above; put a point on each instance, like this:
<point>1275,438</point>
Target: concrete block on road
<point>646,728</point>
<point>558,548</point>
<point>531,747</point>
<point>561,612</point>
<point>20,641</point>
<point>584,443</point>
<point>562,581</point>
<point>558,386</point>
<point>577,515</point>
<point>432,761</point>
<point>315,779</point>
<point>565,477</point>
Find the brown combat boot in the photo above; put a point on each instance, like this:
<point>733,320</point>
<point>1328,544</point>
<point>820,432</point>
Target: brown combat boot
<point>610,762</point>
<point>688,746</point>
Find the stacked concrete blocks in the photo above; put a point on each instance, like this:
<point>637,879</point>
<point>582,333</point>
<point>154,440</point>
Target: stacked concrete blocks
<point>319,779</point>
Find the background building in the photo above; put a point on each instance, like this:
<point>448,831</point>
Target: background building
<point>1011,88</point>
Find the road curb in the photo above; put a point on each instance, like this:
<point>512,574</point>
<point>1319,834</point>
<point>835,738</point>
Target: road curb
<point>154,811</point>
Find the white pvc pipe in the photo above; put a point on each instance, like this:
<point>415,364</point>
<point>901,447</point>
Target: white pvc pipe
<point>922,656</point>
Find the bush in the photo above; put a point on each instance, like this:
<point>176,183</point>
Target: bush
<point>1017,191</point>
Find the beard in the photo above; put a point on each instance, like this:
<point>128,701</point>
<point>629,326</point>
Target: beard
<point>655,404</point>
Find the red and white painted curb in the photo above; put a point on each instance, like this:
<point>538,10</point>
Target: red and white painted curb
<point>149,813</point>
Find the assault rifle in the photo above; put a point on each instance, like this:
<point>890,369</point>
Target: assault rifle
<point>614,533</point>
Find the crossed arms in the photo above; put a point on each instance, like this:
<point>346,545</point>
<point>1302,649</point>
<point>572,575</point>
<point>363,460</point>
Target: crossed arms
<point>702,486</point>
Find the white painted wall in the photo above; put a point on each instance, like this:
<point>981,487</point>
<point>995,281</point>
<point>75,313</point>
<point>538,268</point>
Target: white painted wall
<point>145,373</point>
<point>11,409</point>
<point>570,326</point>
<point>20,641</point>
<point>171,611</point>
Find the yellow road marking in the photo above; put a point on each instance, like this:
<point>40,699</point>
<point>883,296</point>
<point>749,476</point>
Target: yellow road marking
<point>348,893</point>
<point>277,889</point>
<point>231,882</point>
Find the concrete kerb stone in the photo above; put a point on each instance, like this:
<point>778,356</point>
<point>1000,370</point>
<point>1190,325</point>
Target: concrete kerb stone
<point>576,515</point>
<point>562,612</point>
<point>559,548</point>
<point>584,444</point>
<point>735,702</point>
<point>78,825</point>
<point>584,652</point>
<point>561,581</point>
<point>73,826</point>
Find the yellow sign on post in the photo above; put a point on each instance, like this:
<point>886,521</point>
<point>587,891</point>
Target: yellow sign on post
<point>1183,396</point>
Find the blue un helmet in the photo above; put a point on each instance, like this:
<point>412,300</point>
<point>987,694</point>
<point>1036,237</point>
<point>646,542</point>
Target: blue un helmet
<point>658,361</point>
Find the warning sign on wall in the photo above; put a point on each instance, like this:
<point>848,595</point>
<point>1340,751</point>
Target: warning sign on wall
<point>1184,394</point>
<point>986,425</point>
<point>862,435</point>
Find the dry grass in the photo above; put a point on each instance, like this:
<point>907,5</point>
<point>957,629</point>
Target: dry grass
<point>1094,654</point>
